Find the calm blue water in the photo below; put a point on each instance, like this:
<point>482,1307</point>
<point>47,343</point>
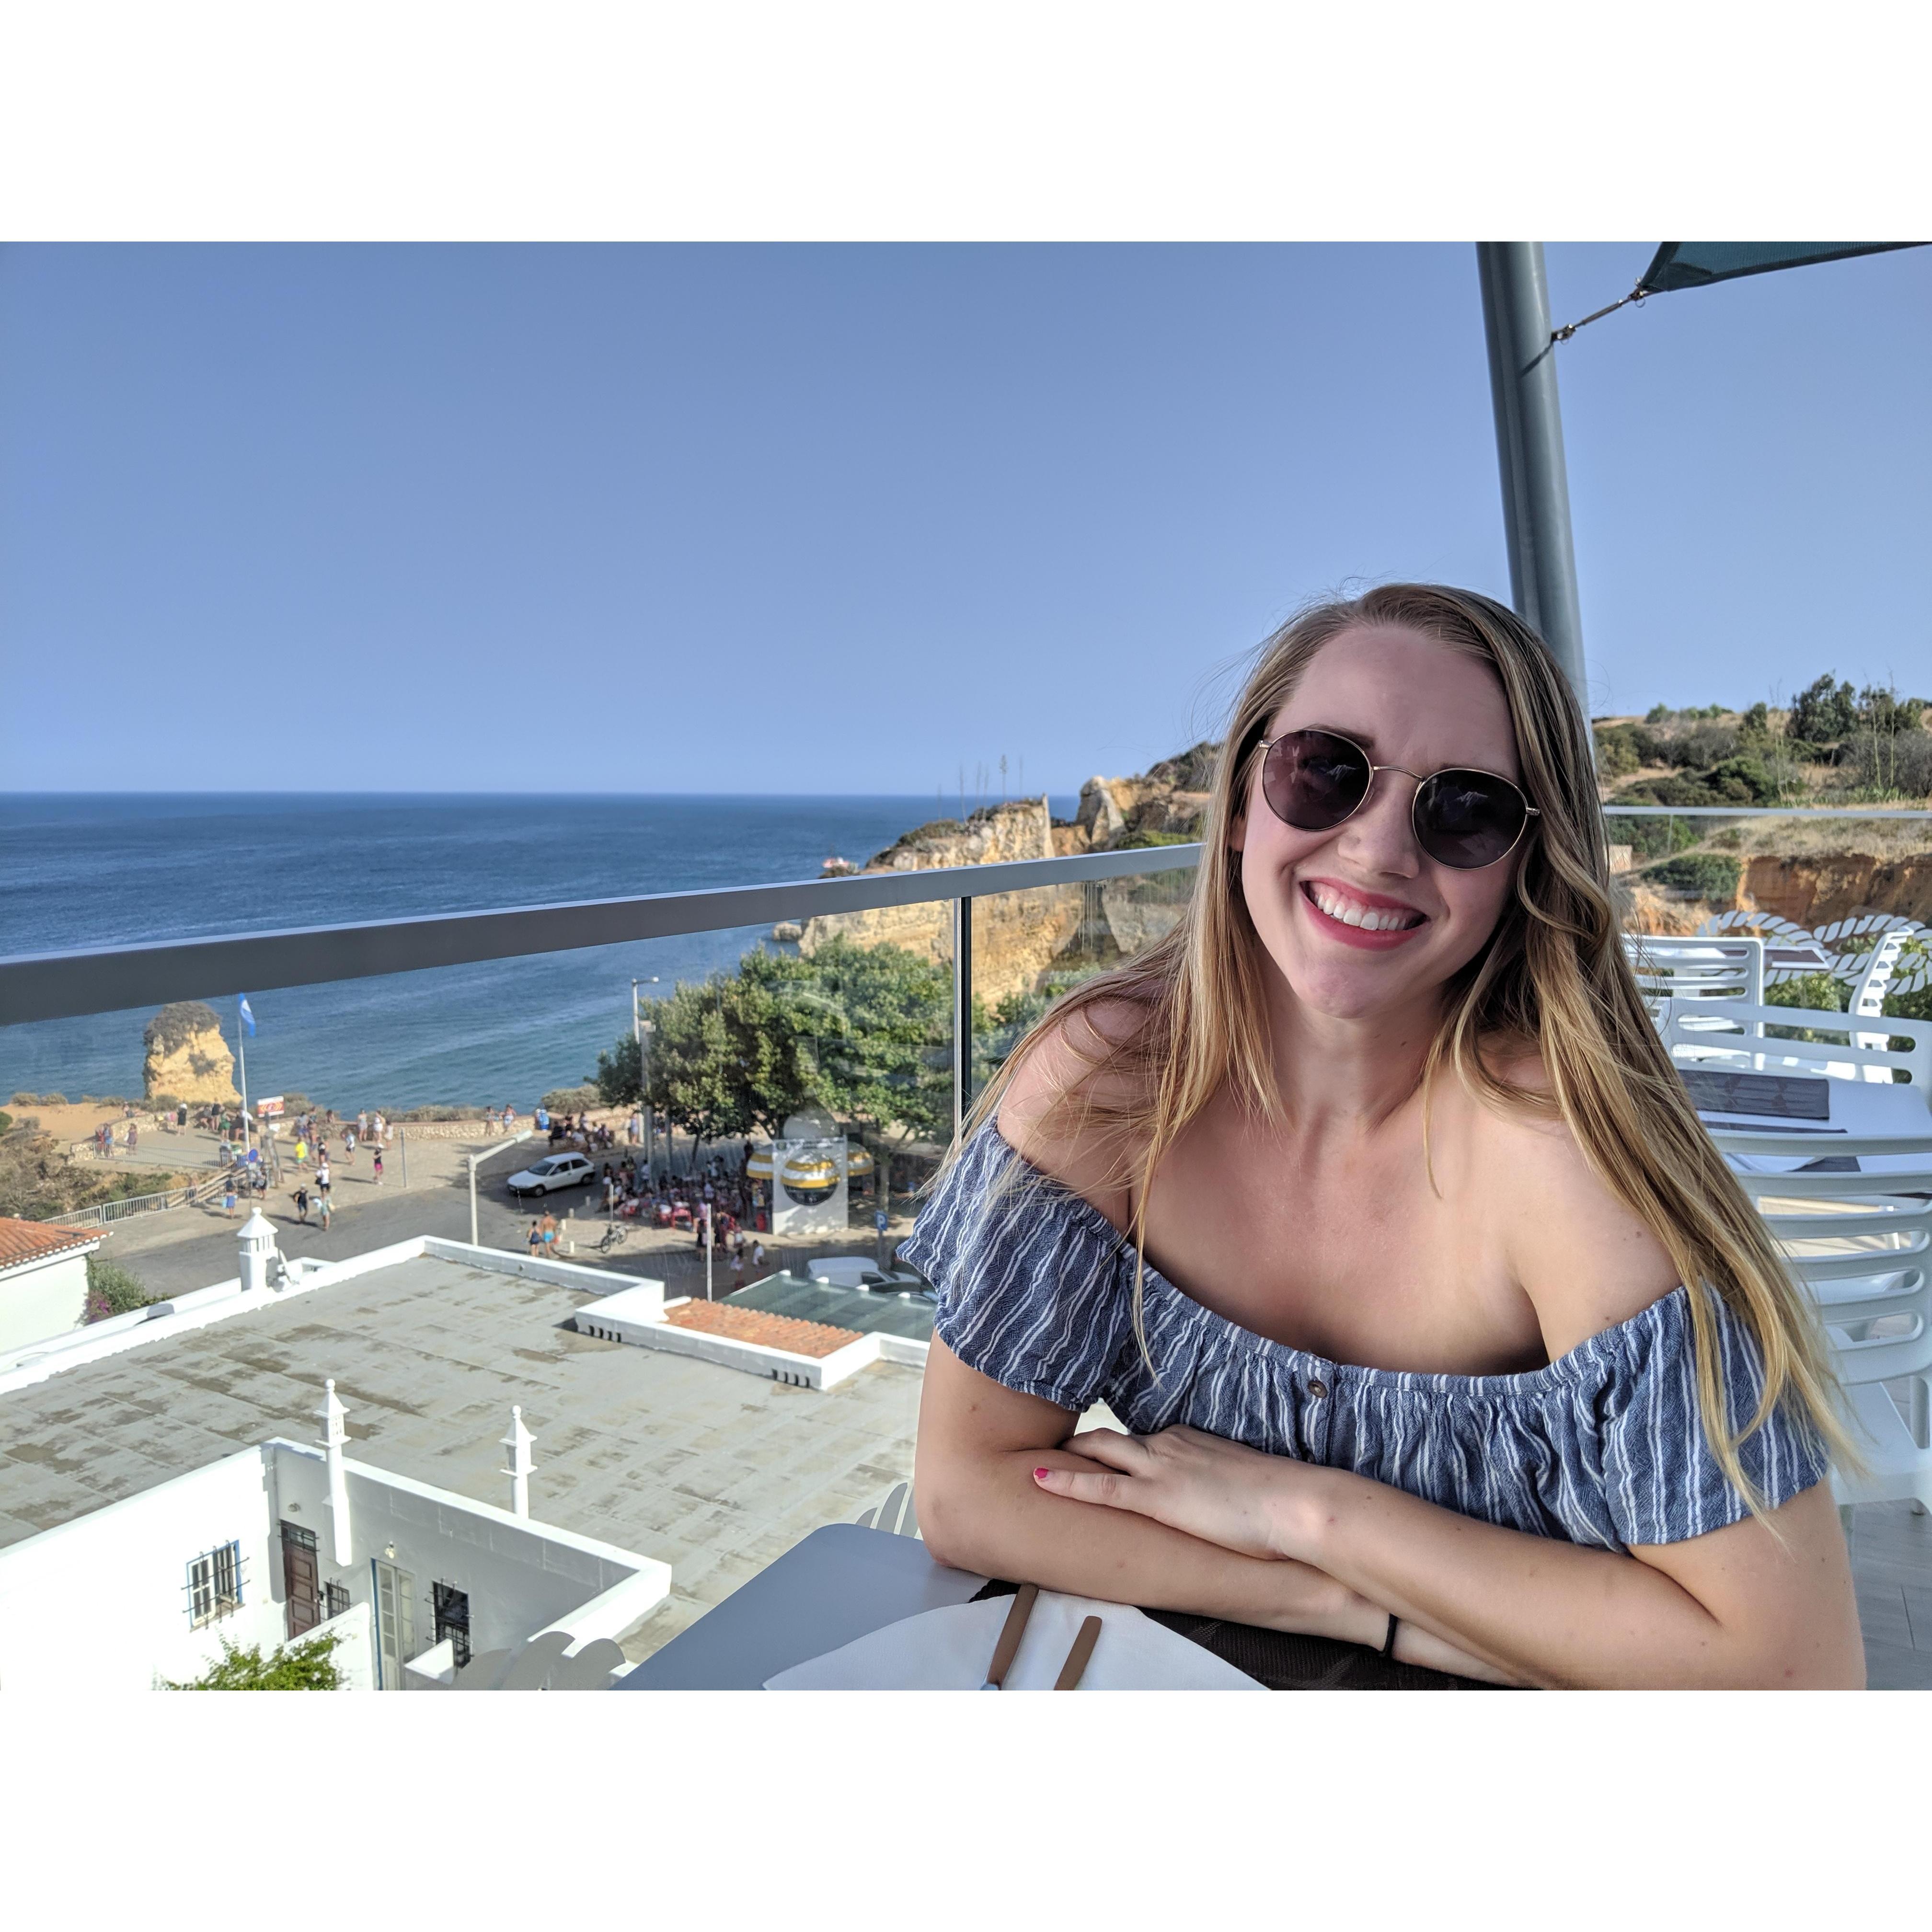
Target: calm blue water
<point>89,871</point>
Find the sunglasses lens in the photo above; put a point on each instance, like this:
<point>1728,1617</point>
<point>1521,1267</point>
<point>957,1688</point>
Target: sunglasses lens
<point>1313,779</point>
<point>1469,820</point>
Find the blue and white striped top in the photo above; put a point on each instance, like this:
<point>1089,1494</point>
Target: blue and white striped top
<point>1603,1447</point>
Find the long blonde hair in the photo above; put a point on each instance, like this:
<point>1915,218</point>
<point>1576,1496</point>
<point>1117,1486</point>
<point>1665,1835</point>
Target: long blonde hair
<point>1554,975</point>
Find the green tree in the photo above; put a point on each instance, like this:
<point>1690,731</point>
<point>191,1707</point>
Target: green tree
<point>309,1665</point>
<point>1823,713</point>
<point>879,1020</point>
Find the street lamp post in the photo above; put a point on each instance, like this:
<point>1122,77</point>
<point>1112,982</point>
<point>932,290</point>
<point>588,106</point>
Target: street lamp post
<point>640,1026</point>
<point>488,1154</point>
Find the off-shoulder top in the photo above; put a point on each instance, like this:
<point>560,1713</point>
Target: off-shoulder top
<point>1603,1447</point>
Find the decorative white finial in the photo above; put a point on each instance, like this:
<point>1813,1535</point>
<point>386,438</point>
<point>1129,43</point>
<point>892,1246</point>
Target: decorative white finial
<point>335,1433</point>
<point>518,1442</point>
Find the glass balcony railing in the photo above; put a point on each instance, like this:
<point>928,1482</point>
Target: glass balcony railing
<point>788,1062</point>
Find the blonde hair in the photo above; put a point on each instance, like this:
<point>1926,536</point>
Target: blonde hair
<point>1554,976</point>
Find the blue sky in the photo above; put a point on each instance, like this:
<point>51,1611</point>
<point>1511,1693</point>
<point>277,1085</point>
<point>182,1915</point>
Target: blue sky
<point>842,519</point>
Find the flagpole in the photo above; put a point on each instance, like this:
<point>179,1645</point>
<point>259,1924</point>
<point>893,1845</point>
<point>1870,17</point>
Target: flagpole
<point>241,1041</point>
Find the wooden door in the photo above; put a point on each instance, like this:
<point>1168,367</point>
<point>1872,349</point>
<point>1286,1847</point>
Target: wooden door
<point>301,1585</point>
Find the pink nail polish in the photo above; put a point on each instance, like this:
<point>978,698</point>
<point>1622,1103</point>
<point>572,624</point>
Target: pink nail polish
<point>1038,1473</point>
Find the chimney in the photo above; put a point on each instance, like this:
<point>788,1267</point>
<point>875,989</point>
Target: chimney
<point>257,1240</point>
<point>334,1435</point>
<point>518,1443</point>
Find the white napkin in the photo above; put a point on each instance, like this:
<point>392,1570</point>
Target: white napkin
<point>949,1649</point>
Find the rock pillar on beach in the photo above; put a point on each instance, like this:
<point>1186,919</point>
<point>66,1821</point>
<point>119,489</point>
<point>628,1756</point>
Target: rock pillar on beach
<point>187,1058</point>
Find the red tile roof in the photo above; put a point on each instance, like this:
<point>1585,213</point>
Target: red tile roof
<point>34,1240</point>
<point>814,1339</point>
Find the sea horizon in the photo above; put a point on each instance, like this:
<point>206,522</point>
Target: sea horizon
<point>80,869</point>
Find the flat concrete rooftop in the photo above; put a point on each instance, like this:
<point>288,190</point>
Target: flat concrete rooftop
<point>710,1469</point>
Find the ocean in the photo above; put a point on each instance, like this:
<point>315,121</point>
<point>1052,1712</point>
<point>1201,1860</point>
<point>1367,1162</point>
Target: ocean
<point>80,870</point>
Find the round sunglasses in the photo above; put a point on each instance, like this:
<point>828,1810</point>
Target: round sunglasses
<point>1463,818</point>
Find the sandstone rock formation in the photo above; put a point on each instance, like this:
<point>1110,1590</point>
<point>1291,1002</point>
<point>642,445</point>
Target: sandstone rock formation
<point>1019,938</point>
<point>188,1057</point>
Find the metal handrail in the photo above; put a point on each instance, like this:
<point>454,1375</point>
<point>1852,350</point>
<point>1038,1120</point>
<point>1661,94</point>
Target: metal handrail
<point>1882,812</point>
<point>103,979</point>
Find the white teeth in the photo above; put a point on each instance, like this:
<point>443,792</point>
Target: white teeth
<point>1351,912</point>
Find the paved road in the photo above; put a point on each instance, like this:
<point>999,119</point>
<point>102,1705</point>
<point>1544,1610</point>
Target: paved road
<point>193,1248</point>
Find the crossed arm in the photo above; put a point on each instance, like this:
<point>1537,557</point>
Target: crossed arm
<point>1186,1521</point>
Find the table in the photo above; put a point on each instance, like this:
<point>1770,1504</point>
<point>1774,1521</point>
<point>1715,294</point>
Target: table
<point>840,1583</point>
<point>1849,1107</point>
<point>843,1581</point>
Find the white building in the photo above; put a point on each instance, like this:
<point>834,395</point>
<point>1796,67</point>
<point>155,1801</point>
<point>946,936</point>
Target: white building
<point>425,1588</point>
<point>42,1280</point>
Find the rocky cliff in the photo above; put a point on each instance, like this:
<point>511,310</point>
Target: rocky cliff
<point>187,1059</point>
<point>1020,938</point>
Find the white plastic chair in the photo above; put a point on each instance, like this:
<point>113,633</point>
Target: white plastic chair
<point>896,1515</point>
<point>1867,999</point>
<point>1717,966</point>
<point>1862,1243</point>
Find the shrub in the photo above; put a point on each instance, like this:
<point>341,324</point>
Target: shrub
<point>6,1122</point>
<point>1616,752</point>
<point>572,1099</point>
<point>309,1665</point>
<point>1652,837</point>
<point>439,1113</point>
<point>1901,764</point>
<point>1705,744</point>
<point>111,1290</point>
<point>38,1100</point>
<point>1139,841</point>
<point>1711,875</point>
<point>1743,779</point>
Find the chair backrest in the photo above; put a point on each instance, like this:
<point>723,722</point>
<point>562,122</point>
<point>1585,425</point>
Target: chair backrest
<point>1737,1033</point>
<point>1725,966</point>
<point>1860,1242</point>
<point>1867,999</point>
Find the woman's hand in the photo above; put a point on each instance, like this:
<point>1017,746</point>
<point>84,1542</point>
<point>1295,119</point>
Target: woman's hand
<point>1204,1485</point>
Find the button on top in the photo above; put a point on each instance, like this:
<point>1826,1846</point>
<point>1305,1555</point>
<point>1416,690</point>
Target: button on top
<point>1317,1386</point>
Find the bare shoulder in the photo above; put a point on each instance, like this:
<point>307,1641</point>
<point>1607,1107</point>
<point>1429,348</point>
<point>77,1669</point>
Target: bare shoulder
<point>1059,1109</point>
<point>1586,1261</point>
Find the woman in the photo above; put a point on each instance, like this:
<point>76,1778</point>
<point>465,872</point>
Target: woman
<point>1366,1199</point>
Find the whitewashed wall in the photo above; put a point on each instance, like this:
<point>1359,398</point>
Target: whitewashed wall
<point>522,1576</point>
<point>101,1604</point>
<point>42,1298</point>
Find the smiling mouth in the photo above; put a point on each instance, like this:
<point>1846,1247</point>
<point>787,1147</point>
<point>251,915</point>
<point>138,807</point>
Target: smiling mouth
<point>1346,909</point>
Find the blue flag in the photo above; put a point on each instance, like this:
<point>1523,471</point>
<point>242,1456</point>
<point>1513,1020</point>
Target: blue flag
<point>247,1017</point>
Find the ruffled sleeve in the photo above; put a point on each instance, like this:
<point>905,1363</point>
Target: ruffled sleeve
<point>1028,1277</point>
<point>1661,1481</point>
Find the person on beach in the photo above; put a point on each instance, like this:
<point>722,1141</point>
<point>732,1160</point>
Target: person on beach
<point>549,1229</point>
<point>536,1239</point>
<point>301,1207</point>
<point>377,1158</point>
<point>323,1178</point>
<point>349,1147</point>
<point>228,1197</point>
<point>323,1209</point>
<point>301,1151</point>
<point>1370,1201</point>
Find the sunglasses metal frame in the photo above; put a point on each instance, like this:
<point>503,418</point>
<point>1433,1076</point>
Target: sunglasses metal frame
<point>1421,779</point>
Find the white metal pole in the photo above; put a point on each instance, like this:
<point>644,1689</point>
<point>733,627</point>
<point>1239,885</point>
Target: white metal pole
<point>241,1042</point>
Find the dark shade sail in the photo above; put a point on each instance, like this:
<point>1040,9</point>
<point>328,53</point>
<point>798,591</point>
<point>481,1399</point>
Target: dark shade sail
<point>1690,265</point>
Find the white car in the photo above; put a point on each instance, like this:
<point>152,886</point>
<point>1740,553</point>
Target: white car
<point>559,1170</point>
